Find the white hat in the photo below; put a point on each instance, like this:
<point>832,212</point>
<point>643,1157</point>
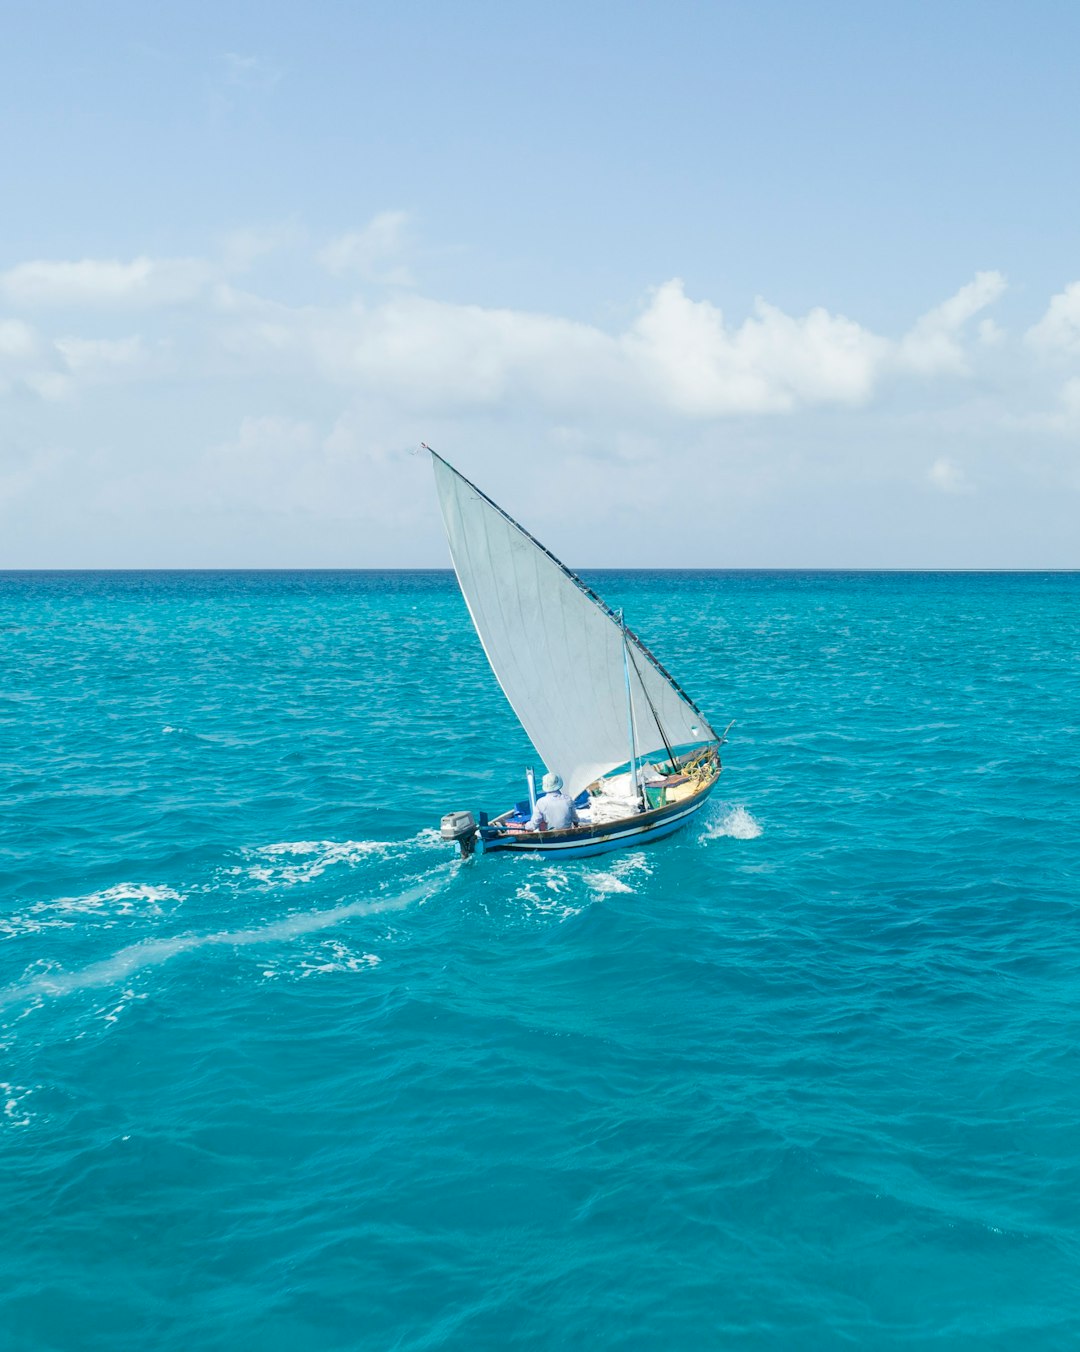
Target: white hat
<point>552,782</point>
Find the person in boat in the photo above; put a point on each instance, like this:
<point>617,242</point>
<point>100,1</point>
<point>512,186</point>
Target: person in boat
<point>554,810</point>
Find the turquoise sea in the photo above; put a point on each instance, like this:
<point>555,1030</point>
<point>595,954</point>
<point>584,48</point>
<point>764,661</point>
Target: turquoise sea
<point>278,1071</point>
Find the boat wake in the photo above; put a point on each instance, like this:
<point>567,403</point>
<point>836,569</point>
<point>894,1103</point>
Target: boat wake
<point>110,906</point>
<point>550,895</point>
<point>125,965</point>
<point>290,862</point>
<point>556,891</point>
<point>620,877</point>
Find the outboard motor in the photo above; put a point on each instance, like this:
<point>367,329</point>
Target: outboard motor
<point>460,826</point>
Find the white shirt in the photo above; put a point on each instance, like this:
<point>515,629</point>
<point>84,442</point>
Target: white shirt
<point>556,811</point>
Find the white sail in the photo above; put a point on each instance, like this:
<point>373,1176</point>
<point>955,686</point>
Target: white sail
<point>555,647</point>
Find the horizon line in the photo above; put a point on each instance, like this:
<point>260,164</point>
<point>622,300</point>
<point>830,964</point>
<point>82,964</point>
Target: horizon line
<point>600,568</point>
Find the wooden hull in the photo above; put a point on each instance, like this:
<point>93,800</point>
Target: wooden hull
<point>581,842</point>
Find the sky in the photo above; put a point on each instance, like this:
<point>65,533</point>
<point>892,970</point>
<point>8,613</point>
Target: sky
<point>679,285</point>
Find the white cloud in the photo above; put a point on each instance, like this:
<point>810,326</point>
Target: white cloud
<point>933,345</point>
<point>947,476</point>
<point>21,353</point>
<point>622,418</point>
<point>991,334</point>
<point>55,368</point>
<point>428,354</point>
<point>466,354</point>
<point>374,253</point>
<point>94,355</point>
<point>1059,328</point>
<point>697,365</point>
<point>1064,417</point>
<point>678,357</point>
<point>100,282</point>
<point>17,340</point>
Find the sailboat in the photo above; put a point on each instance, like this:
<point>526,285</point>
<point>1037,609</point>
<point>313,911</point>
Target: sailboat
<point>637,756</point>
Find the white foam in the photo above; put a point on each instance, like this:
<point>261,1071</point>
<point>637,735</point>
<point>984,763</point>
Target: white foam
<point>618,879</point>
<point>607,883</point>
<point>141,901</point>
<point>548,897</point>
<point>330,849</point>
<point>555,879</point>
<point>125,964</point>
<point>290,862</point>
<point>337,957</point>
<point>330,956</point>
<point>735,822</point>
<point>553,892</point>
<point>429,838</point>
<point>12,1097</point>
<point>545,904</point>
<point>125,899</point>
<point>301,861</point>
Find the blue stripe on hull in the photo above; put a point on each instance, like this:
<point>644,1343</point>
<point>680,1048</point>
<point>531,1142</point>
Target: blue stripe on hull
<point>620,838</point>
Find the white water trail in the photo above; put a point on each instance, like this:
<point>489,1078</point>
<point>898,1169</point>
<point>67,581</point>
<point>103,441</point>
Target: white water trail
<point>154,952</point>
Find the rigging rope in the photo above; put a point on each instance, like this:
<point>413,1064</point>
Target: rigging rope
<point>652,710</point>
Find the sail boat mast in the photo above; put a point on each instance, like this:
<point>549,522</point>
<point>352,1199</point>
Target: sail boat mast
<point>631,721</point>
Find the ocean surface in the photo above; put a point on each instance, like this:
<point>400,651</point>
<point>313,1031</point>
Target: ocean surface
<point>278,1071</point>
